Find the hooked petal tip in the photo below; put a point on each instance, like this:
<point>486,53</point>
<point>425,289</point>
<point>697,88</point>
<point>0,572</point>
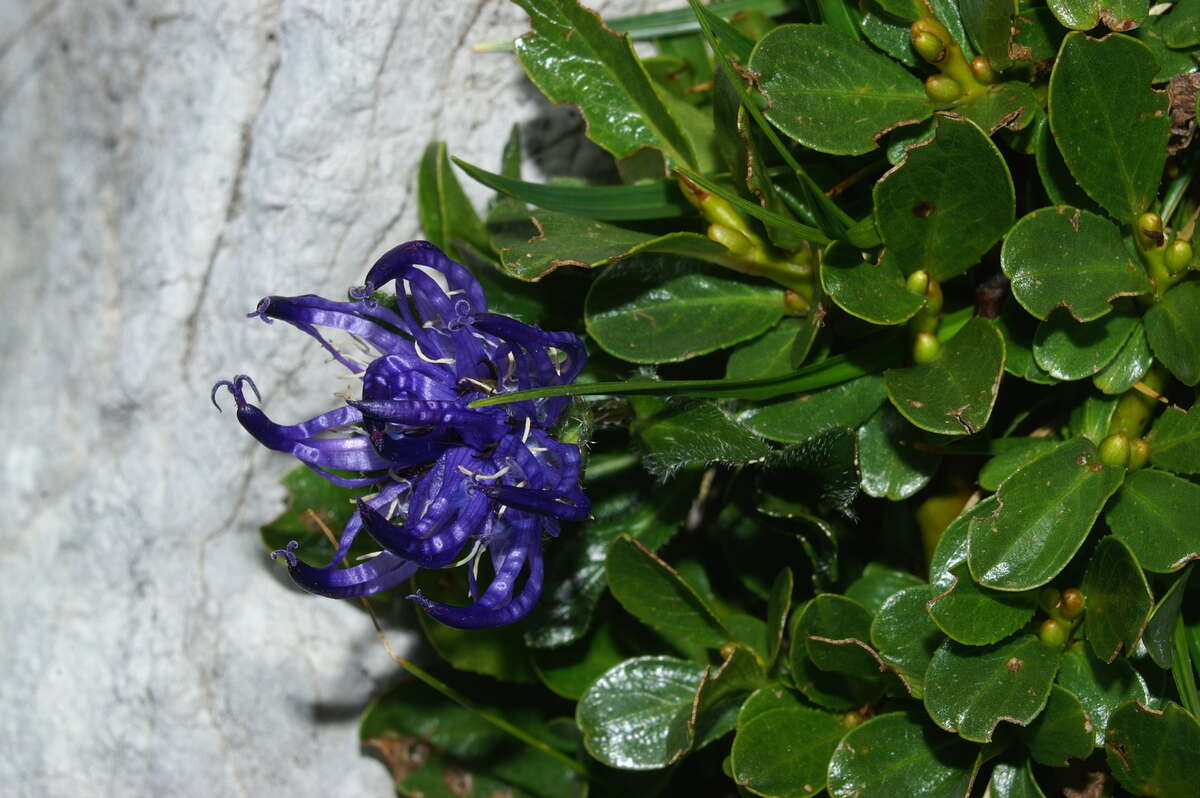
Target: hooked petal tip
<point>260,312</point>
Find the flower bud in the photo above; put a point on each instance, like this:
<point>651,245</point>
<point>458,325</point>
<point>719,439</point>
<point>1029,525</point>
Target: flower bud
<point>731,239</point>
<point>1072,604</point>
<point>1053,633</point>
<point>942,88</point>
<point>926,347</point>
<point>1149,229</point>
<point>1139,453</point>
<point>1114,450</point>
<point>981,68</point>
<point>1178,256</point>
<point>918,281</point>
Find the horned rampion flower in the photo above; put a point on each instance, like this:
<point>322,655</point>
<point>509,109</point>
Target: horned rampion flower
<point>453,482</point>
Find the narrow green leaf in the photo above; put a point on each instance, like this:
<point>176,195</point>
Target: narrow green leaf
<point>1071,350</point>
<point>954,394</point>
<point>1130,365</point>
<point>784,753</point>
<point>1111,127</point>
<point>906,637</point>
<point>971,690</point>
<point>1044,513</point>
<point>1152,752</point>
<point>1173,329</point>
<point>1175,441</point>
<point>572,57</point>
<point>696,434</point>
<point>1118,600</point>
<point>874,292</point>
<point>1063,731</point>
<point>841,97</point>
<point>1056,179</point>
<point>1069,257</point>
<point>797,419</point>
<point>446,214</point>
<point>785,223</point>
<point>778,604</point>
<point>1155,514</point>
<point>654,308</point>
<point>900,754</point>
<point>1160,631</point>
<point>1100,687</point>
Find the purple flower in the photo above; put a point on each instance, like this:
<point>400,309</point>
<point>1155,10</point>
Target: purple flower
<point>453,482</point>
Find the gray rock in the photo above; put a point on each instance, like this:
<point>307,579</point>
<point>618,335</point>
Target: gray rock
<point>165,164</point>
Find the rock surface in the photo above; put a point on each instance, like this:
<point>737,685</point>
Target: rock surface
<point>165,165</point>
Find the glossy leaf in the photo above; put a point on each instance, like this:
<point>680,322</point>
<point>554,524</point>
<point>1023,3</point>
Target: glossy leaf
<point>841,97</point>
<point>1173,329</point>
<point>1130,365</point>
<point>696,434</point>
<point>890,458</point>
<point>971,690</point>
<point>635,716</point>
<point>776,352</point>
<point>784,753</point>
<point>1152,752</point>
<point>1062,732</point>
<point>572,57</point>
<point>1175,441</point>
<point>1111,127</point>
<point>877,583</point>
<point>835,691</point>
<point>900,754</point>
<point>1092,418</point>
<point>655,594</point>
<point>1071,350</point>
<point>1159,636</point>
<point>569,670</point>
<point>657,308</point>
<point>1157,515</point>
<point>835,632</point>
<point>553,239</point>
<point>778,604</point>
<point>1020,453</point>
<point>1044,514</point>
<point>1069,257</point>
<point>947,203</point>
<point>1100,687</point>
<point>1087,14</point>
<point>873,292</point>
<point>1056,179</point>
<point>1012,777</point>
<point>1118,600</point>
<point>905,637</point>
<point>721,693</point>
<point>970,613</point>
<point>805,416</point>
<point>954,394</point>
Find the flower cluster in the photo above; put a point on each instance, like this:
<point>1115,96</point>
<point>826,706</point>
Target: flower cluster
<point>453,482</point>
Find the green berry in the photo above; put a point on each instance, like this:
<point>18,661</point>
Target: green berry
<point>1072,604</point>
<point>981,68</point>
<point>1178,256</point>
<point>926,347</point>
<point>928,46</point>
<point>942,88</point>
<point>1150,230</point>
<point>1139,453</point>
<point>1053,633</point>
<point>918,281</point>
<point>1114,450</point>
<point>933,298</point>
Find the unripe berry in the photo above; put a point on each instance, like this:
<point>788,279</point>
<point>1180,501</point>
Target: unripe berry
<point>1178,256</point>
<point>928,46</point>
<point>1149,229</point>
<point>1139,453</point>
<point>1072,604</point>
<point>981,68</point>
<point>933,298</point>
<point>1114,451</point>
<point>918,281</point>
<point>1053,633</point>
<point>926,347</point>
<point>942,89</point>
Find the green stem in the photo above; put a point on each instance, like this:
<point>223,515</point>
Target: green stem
<point>609,464</point>
<point>1182,670</point>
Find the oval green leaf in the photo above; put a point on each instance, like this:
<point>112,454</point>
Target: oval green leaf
<point>971,690</point>
<point>947,202</point>
<point>660,308</point>
<point>1154,753</point>
<point>900,754</point>
<point>805,416</point>
<point>1160,631</point>
<point>873,292</point>
<point>1070,257</point>
<point>1062,732</point>
<point>784,753</point>
<point>1175,441</point>
<point>835,632</point>
<point>889,458</point>
<point>1100,687</point>
<point>1087,14</point>
<point>1071,350</point>
<point>1118,600</point>
<point>1156,514</point>
<point>954,394</point>
<point>905,636</point>
<point>1129,366</point>
<point>1044,514</point>
<point>840,96</point>
<point>1173,329</point>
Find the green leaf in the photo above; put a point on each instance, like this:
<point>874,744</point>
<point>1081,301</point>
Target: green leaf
<point>572,57</point>
<point>313,501</point>
<point>1087,14</point>
<point>656,308</point>
<point>874,292</point>
<point>446,214</point>
<point>1160,631</point>
<point>1037,35</point>
<point>569,670</point>
<point>877,584</point>
<point>1173,329</point>
<point>1111,127</point>
<point>1010,105</point>
<point>1063,731</point>
<point>989,24</point>
<point>1012,777</point>
<point>1155,514</point>
<point>778,351</point>
<point>636,716</point>
<point>1118,600</point>
<point>1091,419</point>
<point>784,753</point>
<point>906,637</point>
<point>890,34</point>
<point>1020,453</point>
<point>797,419</point>
<point>1151,752</point>
<point>1175,441</point>
<point>954,394</point>
<point>721,693</point>
<point>1100,687</point>
<point>1056,179</point>
<point>1181,25</point>
<point>1171,62</point>
<point>497,651</point>
<point>840,97</point>
<point>657,199</point>
<point>552,239</point>
<point>696,434</point>
<point>835,632</point>
<point>947,203</point>
<point>900,754</point>
<point>1130,365</point>
<point>765,699</point>
<point>1071,350</point>
<point>1018,329</point>
<point>439,749</point>
<point>970,690</point>
<point>890,459</point>
<point>1065,256</point>
<point>778,603</point>
<point>1044,513</point>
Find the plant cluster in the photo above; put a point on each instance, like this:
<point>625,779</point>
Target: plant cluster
<point>894,326</point>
